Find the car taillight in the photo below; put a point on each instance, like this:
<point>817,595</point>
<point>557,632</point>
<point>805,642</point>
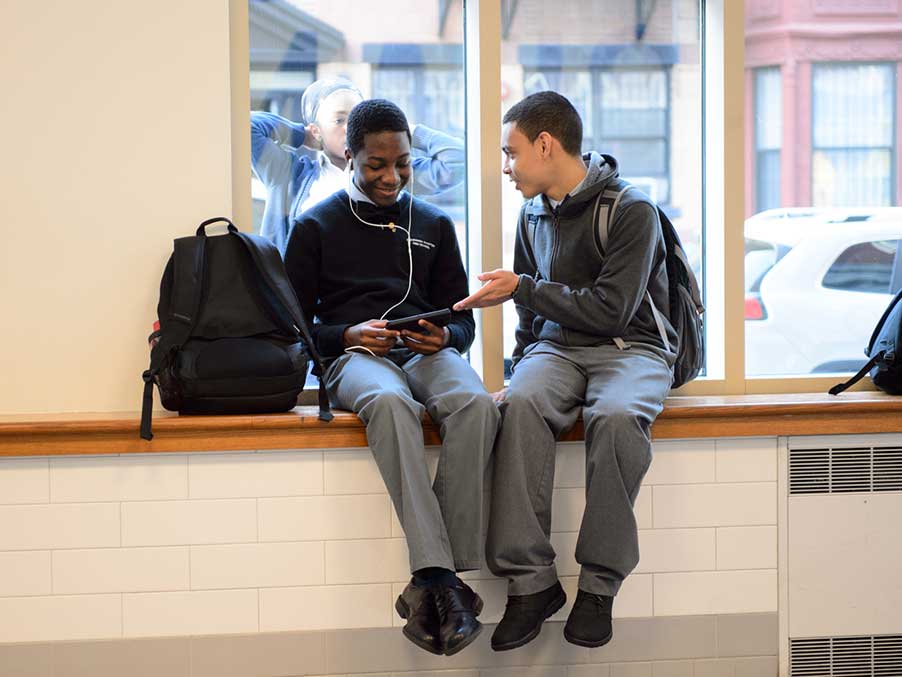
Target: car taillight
<point>754,309</point>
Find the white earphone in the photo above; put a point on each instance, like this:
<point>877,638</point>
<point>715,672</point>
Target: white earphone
<point>392,227</point>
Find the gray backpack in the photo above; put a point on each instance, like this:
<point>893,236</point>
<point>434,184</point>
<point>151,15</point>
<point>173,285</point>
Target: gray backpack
<point>686,306</point>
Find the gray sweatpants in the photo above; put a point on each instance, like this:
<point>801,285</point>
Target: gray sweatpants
<point>443,522</point>
<point>619,394</point>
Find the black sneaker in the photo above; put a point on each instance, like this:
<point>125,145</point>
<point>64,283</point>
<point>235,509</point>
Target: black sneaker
<point>589,623</point>
<point>458,605</point>
<point>524,615</point>
<point>417,605</point>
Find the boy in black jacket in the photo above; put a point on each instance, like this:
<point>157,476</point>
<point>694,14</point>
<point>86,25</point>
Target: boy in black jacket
<point>349,259</point>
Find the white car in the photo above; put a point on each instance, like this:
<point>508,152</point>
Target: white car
<point>817,281</point>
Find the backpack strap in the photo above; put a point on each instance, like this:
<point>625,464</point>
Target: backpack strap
<point>840,387</point>
<point>266,259</point>
<point>605,207</point>
<point>187,286</point>
<point>659,320</point>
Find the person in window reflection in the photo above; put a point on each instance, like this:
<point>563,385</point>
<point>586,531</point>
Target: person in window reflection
<point>587,343</point>
<point>374,251</point>
<point>303,163</point>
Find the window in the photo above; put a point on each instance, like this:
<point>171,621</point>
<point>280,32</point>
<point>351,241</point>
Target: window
<point>814,173</point>
<point>636,83</point>
<point>853,115</point>
<point>822,188</point>
<point>624,112</point>
<point>768,137</point>
<point>293,44</point>
<point>433,96</point>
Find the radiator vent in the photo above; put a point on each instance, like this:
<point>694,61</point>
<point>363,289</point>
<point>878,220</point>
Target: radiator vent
<point>845,470</point>
<point>877,656</point>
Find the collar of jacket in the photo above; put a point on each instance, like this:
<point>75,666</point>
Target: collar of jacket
<point>602,168</point>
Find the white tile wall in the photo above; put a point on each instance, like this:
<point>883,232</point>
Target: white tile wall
<point>257,565</point>
<point>25,480</point>
<point>36,619</point>
<point>747,547</point>
<point>118,478</point>
<point>243,475</point>
<point>189,522</point>
<point>25,573</point>
<point>715,592</point>
<point>379,560</point>
<point>701,505</point>
<point>325,517</point>
<point>682,462</point>
<point>662,550</point>
<point>119,570</point>
<point>73,525</point>
<point>156,614</point>
<point>752,459</point>
<point>178,544</point>
<point>327,606</point>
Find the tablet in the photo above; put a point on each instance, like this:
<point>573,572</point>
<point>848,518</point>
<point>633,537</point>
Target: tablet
<point>437,317</point>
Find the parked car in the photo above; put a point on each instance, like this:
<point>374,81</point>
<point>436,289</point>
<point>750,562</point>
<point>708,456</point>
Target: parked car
<point>816,283</point>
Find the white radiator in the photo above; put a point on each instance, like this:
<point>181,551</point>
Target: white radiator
<point>843,556</point>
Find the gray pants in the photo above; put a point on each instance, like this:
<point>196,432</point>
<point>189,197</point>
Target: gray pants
<point>443,522</point>
<point>619,394</point>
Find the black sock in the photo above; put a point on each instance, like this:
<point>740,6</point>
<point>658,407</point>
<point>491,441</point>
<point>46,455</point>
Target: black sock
<point>434,575</point>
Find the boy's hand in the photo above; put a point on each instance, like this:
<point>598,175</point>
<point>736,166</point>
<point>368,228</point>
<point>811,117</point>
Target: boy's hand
<point>372,335</point>
<point>429,343</point>
<point>499,287</point>
<point>501,395</point>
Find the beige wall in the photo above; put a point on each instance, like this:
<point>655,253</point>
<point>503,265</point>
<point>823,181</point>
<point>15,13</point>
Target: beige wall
<point>115,138</point>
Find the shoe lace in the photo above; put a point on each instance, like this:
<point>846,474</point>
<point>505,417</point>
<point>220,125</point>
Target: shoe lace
<point>596,601</point>
<point>446,601</point>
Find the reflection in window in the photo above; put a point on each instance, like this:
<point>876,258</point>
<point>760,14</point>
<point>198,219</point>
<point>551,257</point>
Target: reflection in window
<point>625,113</point>
<point>853,115</point>
<point>768,137</point>
<point>865,267</point>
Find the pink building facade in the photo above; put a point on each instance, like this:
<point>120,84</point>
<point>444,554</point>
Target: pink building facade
<point>823,103</point>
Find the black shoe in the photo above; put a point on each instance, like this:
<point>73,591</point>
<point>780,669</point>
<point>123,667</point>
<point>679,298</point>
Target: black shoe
<point>417,605</point>
<point>524,615</point>
<point>589,623</point>
<point>458,606</point>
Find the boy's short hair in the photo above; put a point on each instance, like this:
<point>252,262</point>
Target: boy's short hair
<point>371,117</point>
<point>548,112</point>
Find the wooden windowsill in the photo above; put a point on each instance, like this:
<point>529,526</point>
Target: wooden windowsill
<point>683,417</point>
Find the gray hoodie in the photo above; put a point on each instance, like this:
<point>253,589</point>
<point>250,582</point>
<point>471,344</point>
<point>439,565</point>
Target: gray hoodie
<point>572,294</point>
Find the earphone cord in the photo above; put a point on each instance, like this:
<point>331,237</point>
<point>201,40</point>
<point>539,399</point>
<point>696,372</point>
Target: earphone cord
<point>409,250</point>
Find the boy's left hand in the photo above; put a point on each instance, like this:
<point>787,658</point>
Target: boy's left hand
<point>429,343</point>
<point>498,287</point>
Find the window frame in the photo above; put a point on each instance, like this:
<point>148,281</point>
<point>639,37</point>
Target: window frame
<point>723,169</point>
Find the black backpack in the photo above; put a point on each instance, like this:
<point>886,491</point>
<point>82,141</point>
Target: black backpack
<point>684,295</point>
<point>886,370</point>
<point>232,337</point>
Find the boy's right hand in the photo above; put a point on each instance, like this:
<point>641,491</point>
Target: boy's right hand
<point>372,335</point>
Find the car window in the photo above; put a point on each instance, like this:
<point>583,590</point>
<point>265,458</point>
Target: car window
<point>863,267</point>
<point>760,257</point>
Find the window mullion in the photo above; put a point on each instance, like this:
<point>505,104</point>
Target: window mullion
<point>482,31</point>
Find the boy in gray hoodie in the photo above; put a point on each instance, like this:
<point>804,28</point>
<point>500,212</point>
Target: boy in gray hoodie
<point>587,343</point>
